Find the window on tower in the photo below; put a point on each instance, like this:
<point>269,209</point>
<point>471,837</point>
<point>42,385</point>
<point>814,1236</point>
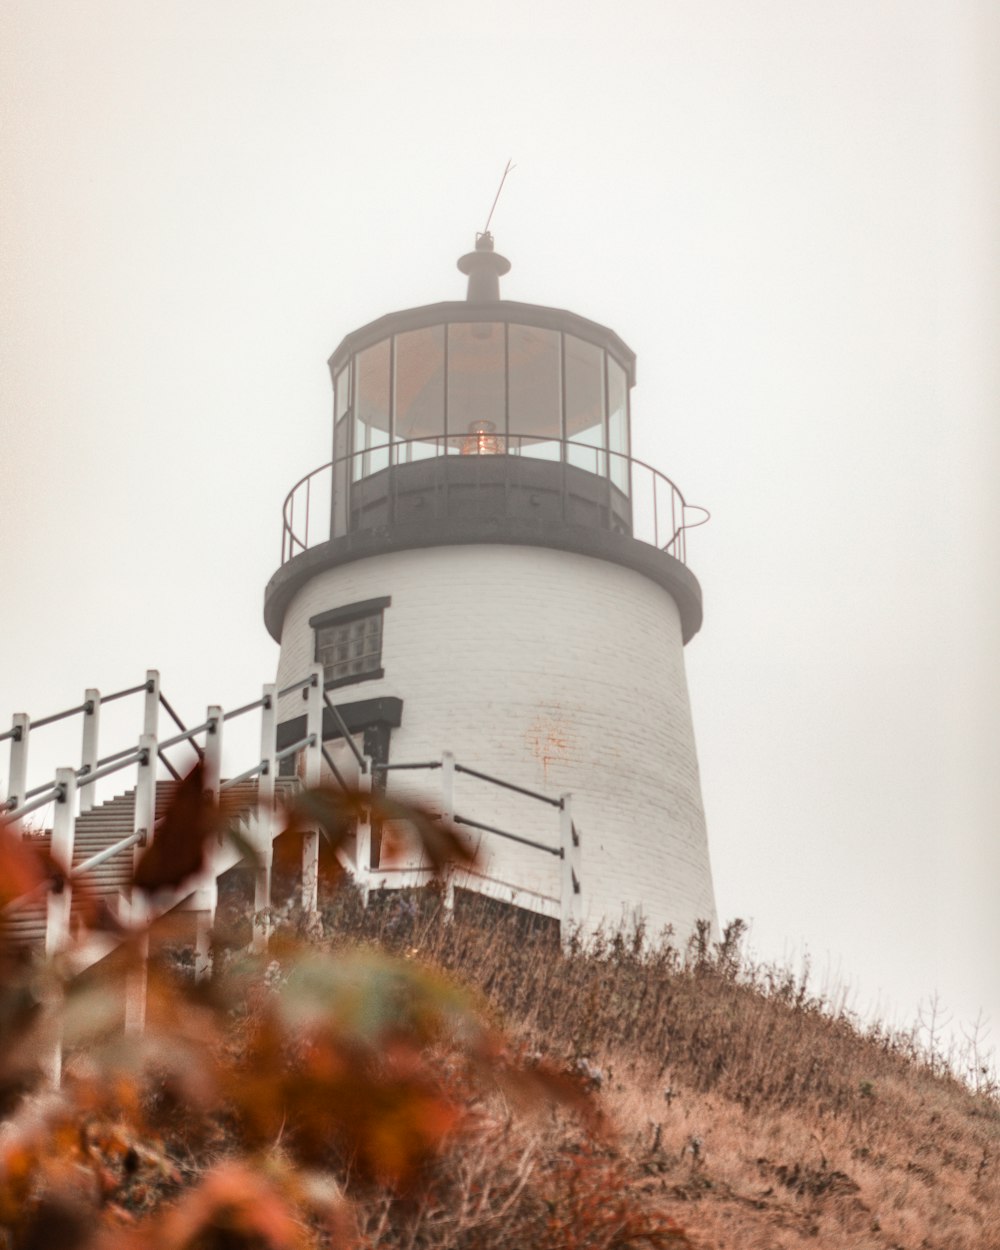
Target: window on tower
<point>349,642</point>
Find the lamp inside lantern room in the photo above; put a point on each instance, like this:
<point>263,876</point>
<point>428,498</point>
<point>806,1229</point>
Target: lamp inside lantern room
<point>482,440</point>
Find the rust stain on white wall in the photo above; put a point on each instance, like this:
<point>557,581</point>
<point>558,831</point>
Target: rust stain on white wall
<point>549,739</point>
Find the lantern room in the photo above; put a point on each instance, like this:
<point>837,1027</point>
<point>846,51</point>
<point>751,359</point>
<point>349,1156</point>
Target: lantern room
<point>476,378</point>
<point>482,421</point>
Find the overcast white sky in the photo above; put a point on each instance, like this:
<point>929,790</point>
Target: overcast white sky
<point>788,208</point>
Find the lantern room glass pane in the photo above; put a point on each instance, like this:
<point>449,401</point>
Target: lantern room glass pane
<point>418,428</point>
<point>584,370</point>
<point>535,399</point>
<point>371,409</point>
<point>618,424</point>
<point>477,398</point>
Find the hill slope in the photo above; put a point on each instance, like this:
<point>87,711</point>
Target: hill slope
<point>751,1112</point>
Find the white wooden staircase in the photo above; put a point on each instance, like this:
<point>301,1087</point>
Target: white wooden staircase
<point>99,830</point>
<point>101,841</point>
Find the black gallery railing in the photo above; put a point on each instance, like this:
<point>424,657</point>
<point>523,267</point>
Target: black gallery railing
<point>626,494</point>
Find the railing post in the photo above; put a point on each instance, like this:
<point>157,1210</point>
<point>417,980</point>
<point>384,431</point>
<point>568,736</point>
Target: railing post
<point>144,818</point>
<point>213,752</point>
<point>570,896</point>
<point>448,814</point>
<point>363,841</point>
<point>447,785</point>
<point>206,896</point>
<point>151,703</point>
<point>143,821</point>
<point>57,904</point>
<point>313,757</point>
<point>18,779</point>
<point>264,823</point>
<point>88,753</point>
<point>63,830</point>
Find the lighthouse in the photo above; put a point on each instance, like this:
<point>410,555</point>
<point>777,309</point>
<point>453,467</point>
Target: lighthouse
<point>487,575</point>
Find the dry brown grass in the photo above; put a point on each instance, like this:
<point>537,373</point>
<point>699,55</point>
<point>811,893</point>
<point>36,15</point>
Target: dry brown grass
<point>751,1111</point>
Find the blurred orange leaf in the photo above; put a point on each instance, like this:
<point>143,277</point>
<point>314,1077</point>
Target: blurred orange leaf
<point>24,864</point>
<point>178,850</point>
<point>235,1205</point>
<point>330,810</point>
<point>334,813</point>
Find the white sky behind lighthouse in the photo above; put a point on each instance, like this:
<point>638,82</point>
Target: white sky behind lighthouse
<point>788,208</point>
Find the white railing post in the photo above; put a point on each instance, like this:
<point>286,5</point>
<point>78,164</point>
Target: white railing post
<point>313,757</point>
<point>206,895</point>
<point>447,785</point>
<point>57,914</point>
<point>57,910</point>
<point>88,753</point>
<point>213,752</point>
<point>144,822</point>
<point>264,820</point>
<point>151,703</point>
<point>448,814</point>
<point>63,831</point>
<point>570,885</point>
<point>18,779</point>
<point>363,841</point>
<point>144,817</point>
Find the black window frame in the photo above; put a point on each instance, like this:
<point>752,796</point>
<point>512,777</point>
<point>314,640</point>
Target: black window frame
<point>346,615</point>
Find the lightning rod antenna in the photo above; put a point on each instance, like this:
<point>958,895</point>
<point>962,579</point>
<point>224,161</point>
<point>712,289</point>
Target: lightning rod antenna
<point>486,228</point>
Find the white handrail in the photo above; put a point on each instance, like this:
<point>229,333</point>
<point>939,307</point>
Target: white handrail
<point>202,892</point>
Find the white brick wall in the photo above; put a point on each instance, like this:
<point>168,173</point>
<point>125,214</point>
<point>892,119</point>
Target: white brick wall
<point>556,671</point>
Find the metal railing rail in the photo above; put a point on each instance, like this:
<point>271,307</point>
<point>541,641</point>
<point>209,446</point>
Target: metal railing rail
<point>635,479</point>
<point>85,777</point>
<point>86,706</point>
<point>257,769</point>
<point>331,764</point>
<point>90,709</point>
<point>568,850</point>
<point>51,792</point>
<point>109,764</point>
<point>30,794</point>
<point>109,852</point>
<point>57,716</point>
<point>121,694</point>
<point>115,755</point>
<point>167,764</point>
<point>512,837</point>
<point>247,707</point>
<point>201,890</point>
<point>488,777</point>
<point>297,685</point>
<point>295,748</point>
<point>137,756</point>
<point>347,735</point>
<point>386,768</point>
<point>168,708</point>
<point>507,785</point>
<point>207,726</point>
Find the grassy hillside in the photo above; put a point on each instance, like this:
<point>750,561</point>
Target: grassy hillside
<point>747,1110</point>
<point>394,1079</point>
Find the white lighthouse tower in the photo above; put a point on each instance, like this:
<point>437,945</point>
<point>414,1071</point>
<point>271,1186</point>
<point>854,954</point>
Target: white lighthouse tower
<point>488,575</point>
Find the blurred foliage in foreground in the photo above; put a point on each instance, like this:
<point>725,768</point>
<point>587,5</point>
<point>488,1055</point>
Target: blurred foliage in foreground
<point>325,1094</point>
